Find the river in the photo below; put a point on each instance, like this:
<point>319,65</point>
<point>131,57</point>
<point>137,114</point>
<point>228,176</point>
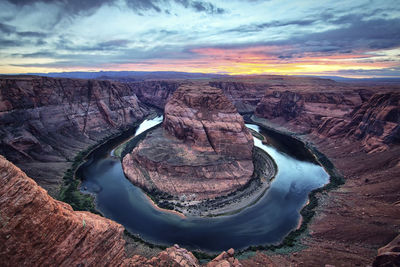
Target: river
<point>266,222</point>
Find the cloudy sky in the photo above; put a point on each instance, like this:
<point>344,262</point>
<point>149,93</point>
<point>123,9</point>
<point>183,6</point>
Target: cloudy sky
<point>347,38</point>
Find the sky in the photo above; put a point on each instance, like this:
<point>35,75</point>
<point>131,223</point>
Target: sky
<point>358,38</point>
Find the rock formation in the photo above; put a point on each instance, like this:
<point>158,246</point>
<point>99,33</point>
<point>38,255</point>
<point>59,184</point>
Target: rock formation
<point>226,258</point>
<point>44,122</point>
<point>203,150</point>
<point>375,123</point>
<point>36,230</point>
<point>388,255</point>
<point>174,256</point>
<point>205,119</point>
<point>155,93</point>
<point>305,109</point>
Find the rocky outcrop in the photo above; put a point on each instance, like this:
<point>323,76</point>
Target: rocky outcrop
<point>388,255</point>
<point>37,230</point>
<point>44,122</point>
<point>305,110</point>
<point>377,122</point>
<point>203,150</point>
<point>244,95</point>
<point>202,117</point>
<point>174,256</point>
<point>225,259</point>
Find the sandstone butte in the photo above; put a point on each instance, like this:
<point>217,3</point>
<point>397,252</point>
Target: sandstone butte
<point>202,151</point>
<point>37,230</point>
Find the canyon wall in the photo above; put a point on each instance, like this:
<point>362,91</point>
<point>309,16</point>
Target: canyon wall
<point>370,118</point>
<point>37,230</point>
<point>358,130</point>
<point>46,121</point>
<point>155,93</point>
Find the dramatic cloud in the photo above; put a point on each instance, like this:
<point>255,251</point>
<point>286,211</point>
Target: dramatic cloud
<point>351,38</point>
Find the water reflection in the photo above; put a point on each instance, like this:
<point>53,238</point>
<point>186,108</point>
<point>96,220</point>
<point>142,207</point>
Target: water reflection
<point>266,222</point>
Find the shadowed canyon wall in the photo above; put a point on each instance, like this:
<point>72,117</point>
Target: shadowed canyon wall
<point>45,121</point>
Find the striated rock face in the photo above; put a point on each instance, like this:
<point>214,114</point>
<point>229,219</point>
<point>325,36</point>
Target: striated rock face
<point>155,93</point>
<point>388,255</point>
<point>37,230</point>
<point>375,123</point>
<point>305,110</point>
<point>372,120</point>
<point>44,122</point>
<point>203,150</point>
<point>204,118</point>
<point>245,96</point>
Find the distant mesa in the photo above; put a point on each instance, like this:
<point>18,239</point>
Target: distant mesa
<point>203,149</point>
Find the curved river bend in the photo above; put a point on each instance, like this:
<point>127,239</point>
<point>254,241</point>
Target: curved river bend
<point>266,222</point>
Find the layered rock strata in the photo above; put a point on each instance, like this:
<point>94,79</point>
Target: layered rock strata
<point>37,230</point>
<point>202,151</point>
<point>45,122</point>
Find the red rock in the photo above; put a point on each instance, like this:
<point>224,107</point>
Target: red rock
<point>203,117</point>
<point>231,252</point>
<point>38,230</point>
<point>225,259</point>
<point>388,255</point>
<point>203,150</point>
<point>45,122</point>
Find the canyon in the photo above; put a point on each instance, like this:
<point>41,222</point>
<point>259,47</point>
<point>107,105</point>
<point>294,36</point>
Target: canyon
<point>45,122</point>
<point>202,151</point>
<point>56,235</point>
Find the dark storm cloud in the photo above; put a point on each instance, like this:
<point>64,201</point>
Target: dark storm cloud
<point>79,7</point>
<point>7,29</point>
<point>71,7</point>
<point>274,24</point>
<point>375,33</point>
<point>352,33</point>
<point>32,34</point>
<point>201,6</point>
<point>143,5</point>
<point>113,44</point>
<point>159,5</point>
<point>9,43</point>
<point>35,55</point>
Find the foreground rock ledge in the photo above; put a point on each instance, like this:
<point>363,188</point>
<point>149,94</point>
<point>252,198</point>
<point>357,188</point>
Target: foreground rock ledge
<point>203,150</point>
<point>37,230</point>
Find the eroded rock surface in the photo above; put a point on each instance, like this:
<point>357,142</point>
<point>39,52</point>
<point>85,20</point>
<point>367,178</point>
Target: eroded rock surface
<point>389,255</point>
<point>45,122</point>
<point>174,256</point>
<point>36,230</point>
<point>225,259</point>
<point>205,119</point>
<point>203,150</point>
